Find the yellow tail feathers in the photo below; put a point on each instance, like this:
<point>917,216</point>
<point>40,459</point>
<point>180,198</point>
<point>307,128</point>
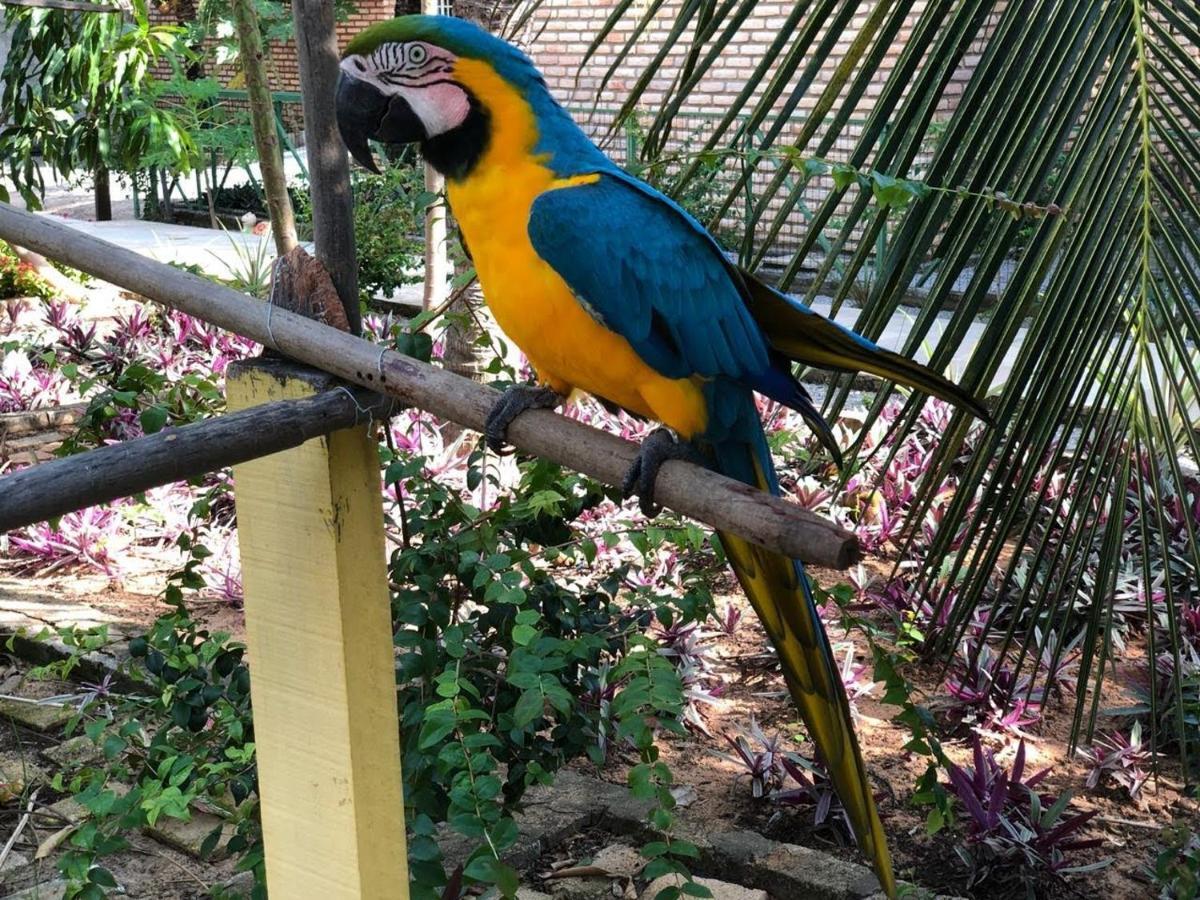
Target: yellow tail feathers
<point>775,587</point>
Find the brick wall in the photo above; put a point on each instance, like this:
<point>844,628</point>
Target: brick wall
<point>285,74</point>
<point>559,33</point>
<point>283,71</point>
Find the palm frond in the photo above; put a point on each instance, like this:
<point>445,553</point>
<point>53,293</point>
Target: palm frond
<point>1060,203</point>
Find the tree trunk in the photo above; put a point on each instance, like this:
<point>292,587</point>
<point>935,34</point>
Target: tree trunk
<point>262,117</point>
<point>437,256</point>
<point>103,195</point>
<point>328,166</point>
<point>168,211</point>
<point>460,355</point>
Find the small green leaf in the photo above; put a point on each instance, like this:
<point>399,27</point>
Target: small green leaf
<point>153,418</point>
<point>844,175</point>
<point>684,848</point>
<point>814,167</point>
<point>438,723</point>
<point>528,707</point>
<point>101,877</point>
<point>654,849</point>
<point>935,821</point>
<point>114,744</point>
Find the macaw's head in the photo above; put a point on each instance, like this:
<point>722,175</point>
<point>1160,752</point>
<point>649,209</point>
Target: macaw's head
<point>407,81</point>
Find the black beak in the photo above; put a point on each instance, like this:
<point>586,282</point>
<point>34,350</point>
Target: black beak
<point>365,114</point>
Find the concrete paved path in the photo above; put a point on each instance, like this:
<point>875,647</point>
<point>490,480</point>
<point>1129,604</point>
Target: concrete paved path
<point>218,253</point>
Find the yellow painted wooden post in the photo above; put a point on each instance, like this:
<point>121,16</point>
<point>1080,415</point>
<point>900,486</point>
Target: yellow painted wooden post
<point>318,630</point>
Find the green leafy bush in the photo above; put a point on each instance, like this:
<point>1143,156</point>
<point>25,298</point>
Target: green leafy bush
<point>512,663</point>
<point>182,734</point>
<point>1177,867</point>
<point>18,279</point>
<point>389,212</point>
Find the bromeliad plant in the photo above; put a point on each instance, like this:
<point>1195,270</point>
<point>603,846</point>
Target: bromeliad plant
<point>812,787</point>
<point>686,644</point>
<point>1013,831</point>
<point>986,694</point>
<point>786,778</point>
<point>1118,758</point>
<point>144,372</point>
<point>761,758</point>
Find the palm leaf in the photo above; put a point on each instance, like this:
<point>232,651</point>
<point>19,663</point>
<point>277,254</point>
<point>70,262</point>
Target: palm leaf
<point>1069,166</point>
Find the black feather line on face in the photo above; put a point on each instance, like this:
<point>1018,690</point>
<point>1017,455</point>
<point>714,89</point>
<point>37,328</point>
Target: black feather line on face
<point>455,153</point>
<point>408,81</point>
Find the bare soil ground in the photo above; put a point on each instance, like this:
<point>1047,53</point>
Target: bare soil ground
<point>752,689</point>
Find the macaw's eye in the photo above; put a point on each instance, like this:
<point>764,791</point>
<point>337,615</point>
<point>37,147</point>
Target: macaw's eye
<point>416,55</point>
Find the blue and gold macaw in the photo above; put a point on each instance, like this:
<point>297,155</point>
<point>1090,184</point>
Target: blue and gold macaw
<point>611,288</point>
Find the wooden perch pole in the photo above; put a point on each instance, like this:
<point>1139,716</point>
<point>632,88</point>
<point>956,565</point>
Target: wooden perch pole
<point>711,498</point>
<point>51,489</point>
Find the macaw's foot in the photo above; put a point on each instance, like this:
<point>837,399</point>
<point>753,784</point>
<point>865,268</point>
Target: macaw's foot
<point>659,446</point>
<point>511,404</point>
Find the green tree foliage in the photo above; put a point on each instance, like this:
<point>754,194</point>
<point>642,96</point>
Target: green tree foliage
<point>388,214</point>
<point>76,91</point>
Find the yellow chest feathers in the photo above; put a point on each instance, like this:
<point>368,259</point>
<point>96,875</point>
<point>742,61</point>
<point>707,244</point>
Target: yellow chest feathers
<point>531,302</point>
<point>493,203</point>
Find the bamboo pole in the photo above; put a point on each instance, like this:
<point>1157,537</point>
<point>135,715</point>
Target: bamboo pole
<point>262,118</point>
<point>60,486</point>
<point>692,491</point>
<point>319,637</point>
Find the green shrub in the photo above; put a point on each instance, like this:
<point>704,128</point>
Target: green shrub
<point>389,222</point>
<point>513,661</point>
<point>1177,867</point>
<point>19,279</point>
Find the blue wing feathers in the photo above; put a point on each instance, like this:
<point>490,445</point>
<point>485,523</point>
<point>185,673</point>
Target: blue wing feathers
<point>661,285</point>
<point>647,270</point>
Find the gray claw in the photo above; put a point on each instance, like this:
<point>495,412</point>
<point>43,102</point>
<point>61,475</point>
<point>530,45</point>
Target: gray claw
<point>659,446</point>
<point>511,404</point>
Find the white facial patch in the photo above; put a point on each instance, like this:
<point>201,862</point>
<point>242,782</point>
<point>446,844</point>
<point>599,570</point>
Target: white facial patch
<point>421,73</point>
<point>441,107</point>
